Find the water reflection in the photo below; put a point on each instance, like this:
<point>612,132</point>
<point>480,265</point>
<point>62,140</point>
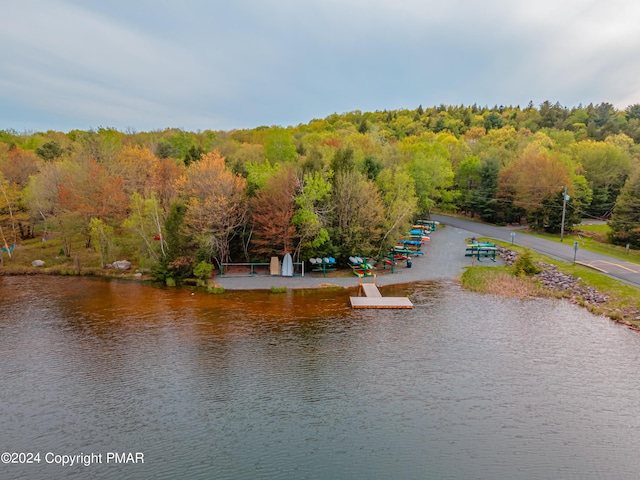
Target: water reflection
<point>297,385</point>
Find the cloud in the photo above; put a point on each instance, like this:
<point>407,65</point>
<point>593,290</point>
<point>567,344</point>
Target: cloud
<point>227,65</point>
<point>68,60</point>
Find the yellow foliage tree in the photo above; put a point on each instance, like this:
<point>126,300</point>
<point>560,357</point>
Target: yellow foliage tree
<point>216,203</point>
<point>534,175</point>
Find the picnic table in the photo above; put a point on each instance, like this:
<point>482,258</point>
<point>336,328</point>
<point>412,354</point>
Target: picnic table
<point>481,250</point>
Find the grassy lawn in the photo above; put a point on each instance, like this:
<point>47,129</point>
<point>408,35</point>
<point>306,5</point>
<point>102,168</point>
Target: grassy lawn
<point>593,241</point>
<point>83,260</point>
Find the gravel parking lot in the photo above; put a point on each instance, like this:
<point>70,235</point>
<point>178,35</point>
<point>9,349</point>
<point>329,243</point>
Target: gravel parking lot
<point>443,260</point>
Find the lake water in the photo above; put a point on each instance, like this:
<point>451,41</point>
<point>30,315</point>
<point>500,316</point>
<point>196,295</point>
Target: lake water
<point>299,386</point>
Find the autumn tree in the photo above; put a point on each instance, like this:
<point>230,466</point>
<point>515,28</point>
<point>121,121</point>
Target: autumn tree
<point>243,154</point>
<point>400,204</point>
<point>272,211</point>
<point>17,165</point>
<point>137,167</point>
<point>69,193</point>
<point>42,196</point>
<point>534,177</point>
<point>164,181</point>
<point>8,205</point>
<point>357,215</point>
<point>501,144</point>
<point>89,189</point>
<point>216,204</point>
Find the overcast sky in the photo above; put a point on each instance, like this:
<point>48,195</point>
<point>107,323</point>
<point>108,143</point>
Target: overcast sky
<point>221,65</point>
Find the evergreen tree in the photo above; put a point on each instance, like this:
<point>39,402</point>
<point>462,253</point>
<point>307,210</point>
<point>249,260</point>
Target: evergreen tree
<point>485,199</point>
<point>193,155</point>
<point>372,167</point>
<point>625,222</point>
<point>493,121</point>
<point>50,151</point>
<point>343,160</point>
<point>165,150</point>
<point>173,230</point>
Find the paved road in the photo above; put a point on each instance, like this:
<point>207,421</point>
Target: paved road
<point>618,269</point>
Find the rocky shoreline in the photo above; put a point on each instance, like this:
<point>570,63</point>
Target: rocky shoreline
<point>569,287</point>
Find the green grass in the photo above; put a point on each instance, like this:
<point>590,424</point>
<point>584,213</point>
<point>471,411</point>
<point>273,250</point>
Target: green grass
<point>51,253</point>
<point>83,260</point>
<point>601,228</point>
<point>593,244</point>
<point>478,278</point>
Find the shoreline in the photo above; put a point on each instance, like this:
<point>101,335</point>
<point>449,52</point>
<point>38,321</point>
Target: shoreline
<point>443,259</point>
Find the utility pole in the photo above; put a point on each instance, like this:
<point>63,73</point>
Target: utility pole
<point>564,211</point>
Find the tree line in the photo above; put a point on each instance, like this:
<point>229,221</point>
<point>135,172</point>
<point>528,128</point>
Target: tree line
<point>348,184</point>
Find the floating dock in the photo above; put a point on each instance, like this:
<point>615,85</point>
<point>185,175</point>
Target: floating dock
<point>374,299</point>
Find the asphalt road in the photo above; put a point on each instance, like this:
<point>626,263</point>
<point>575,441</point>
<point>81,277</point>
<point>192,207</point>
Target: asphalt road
<point>615,268</point>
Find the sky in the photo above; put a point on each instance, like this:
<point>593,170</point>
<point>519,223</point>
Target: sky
<point>142,65</point>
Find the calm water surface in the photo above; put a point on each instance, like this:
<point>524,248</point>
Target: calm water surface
<point>299,386</point>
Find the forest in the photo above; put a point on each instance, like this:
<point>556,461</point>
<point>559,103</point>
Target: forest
<point>348,184</point>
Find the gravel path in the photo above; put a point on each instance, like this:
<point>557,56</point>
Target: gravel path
<point>443,260</point>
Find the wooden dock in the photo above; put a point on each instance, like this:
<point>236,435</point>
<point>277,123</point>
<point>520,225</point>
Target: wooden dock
<point>374,299</point>
<point>370,290</point>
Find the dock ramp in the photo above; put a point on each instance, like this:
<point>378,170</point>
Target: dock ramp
<point>374,299</point>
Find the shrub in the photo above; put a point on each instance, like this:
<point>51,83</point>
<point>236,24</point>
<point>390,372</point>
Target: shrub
<point>524,265</point>
<point>202,271</point>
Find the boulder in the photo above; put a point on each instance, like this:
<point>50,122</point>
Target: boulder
<point>38,263</point>
<point>121,265</point>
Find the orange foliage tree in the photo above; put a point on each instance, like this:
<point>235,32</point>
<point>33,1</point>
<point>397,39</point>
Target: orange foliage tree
<point>135,166</point>
<point>272,210</point>
<point>18,165</point>
<point>216,204</point>
<point>534,176</point>
<point>530,184</point>
<point>93,192</point>
<point>164,181</point>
